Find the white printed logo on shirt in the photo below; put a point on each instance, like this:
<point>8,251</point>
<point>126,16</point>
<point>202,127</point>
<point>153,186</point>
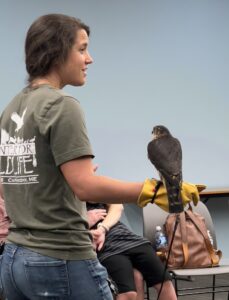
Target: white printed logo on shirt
<point>20,155</point>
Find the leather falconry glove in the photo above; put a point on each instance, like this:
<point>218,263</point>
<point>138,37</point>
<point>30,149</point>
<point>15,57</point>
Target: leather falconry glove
<point>153,191</point>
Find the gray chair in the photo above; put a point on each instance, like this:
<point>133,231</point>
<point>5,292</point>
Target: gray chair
<point>153,216</point>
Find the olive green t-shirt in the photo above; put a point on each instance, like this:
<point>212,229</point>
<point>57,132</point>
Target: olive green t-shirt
<point>41,129</point>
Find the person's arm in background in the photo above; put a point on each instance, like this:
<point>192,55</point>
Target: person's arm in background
<point>113,216</point>
<point>114,213</point>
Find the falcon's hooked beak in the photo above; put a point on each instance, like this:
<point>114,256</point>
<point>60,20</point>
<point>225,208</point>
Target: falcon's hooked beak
<point>156,133</point>
<point>159,131</point>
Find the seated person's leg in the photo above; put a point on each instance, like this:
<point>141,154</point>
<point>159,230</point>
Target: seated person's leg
<point>167,292</point>
<point>139,283</point>
<point>120,269</point>
<point>146,261</point>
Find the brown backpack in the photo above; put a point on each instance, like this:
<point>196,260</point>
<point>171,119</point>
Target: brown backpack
<point>191,246</point>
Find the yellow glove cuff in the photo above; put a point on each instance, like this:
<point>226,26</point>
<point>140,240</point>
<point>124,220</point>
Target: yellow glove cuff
<point>189,193</point>
<point>153,192</point>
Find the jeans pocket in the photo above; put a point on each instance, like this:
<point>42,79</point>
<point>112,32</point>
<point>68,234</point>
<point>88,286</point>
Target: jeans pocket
<point>47,276</point>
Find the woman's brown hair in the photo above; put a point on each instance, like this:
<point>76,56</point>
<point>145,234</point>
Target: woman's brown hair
<point>48,42</point>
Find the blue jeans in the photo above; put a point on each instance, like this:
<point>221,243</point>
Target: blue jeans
<point>27,275</point>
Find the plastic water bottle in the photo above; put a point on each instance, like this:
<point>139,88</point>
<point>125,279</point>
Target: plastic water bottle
<point>161,243</point>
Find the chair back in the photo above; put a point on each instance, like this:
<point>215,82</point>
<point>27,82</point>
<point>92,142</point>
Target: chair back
<point>154,215</point>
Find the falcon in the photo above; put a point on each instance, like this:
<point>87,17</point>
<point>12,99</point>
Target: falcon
<point>165,153</point>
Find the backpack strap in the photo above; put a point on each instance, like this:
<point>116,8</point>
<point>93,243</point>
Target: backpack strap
<point>184,239</point>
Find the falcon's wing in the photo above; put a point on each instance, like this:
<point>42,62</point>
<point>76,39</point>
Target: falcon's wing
<point>165,154</point>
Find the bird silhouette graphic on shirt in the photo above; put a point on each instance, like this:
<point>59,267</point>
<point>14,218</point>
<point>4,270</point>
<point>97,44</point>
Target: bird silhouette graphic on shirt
<point>18,120</point>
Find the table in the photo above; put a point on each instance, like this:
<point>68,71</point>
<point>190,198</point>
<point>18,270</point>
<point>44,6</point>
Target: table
<point>205,195</point>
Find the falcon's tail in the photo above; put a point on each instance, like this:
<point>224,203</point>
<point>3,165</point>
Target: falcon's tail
<point>173,188</point>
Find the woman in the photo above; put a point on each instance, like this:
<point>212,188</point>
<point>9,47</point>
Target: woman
<point>121,251</point>
<point>47,173</point>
